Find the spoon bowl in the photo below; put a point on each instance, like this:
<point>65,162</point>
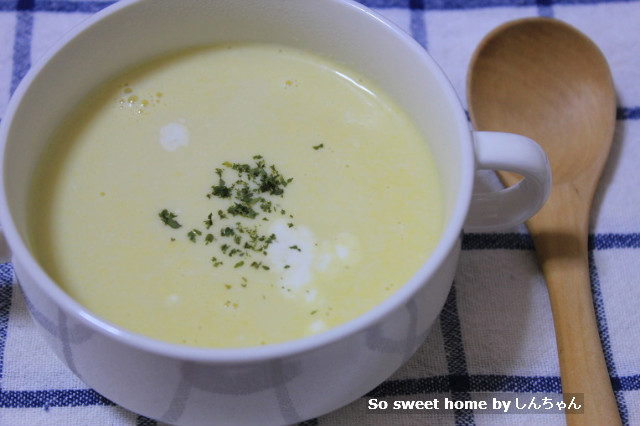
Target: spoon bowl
<point>541,78</point>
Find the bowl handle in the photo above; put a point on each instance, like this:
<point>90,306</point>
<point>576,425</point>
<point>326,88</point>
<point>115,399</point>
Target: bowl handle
<point>512,206</point>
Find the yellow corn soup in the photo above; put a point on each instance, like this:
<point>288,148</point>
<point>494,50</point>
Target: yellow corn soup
<point>235,196</point>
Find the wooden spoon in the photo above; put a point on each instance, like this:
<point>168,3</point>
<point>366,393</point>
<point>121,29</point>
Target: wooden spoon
<point>541,78</point>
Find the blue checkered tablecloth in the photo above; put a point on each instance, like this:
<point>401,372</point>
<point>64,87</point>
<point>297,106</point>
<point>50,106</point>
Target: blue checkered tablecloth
<point>495,333</point>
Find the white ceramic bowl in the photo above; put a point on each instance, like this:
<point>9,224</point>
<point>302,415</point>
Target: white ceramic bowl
<point>289,382</point>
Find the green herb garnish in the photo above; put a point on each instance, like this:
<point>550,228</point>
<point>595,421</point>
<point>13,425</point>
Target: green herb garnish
<point>209,221</point>
<point>193,234</point>
<point>247,191</point>
<point>169,219</point>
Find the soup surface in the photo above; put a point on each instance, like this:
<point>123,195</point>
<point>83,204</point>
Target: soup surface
<point>235,196</point>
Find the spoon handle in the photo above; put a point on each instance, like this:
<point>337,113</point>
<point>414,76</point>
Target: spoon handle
<point>562,247</point>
